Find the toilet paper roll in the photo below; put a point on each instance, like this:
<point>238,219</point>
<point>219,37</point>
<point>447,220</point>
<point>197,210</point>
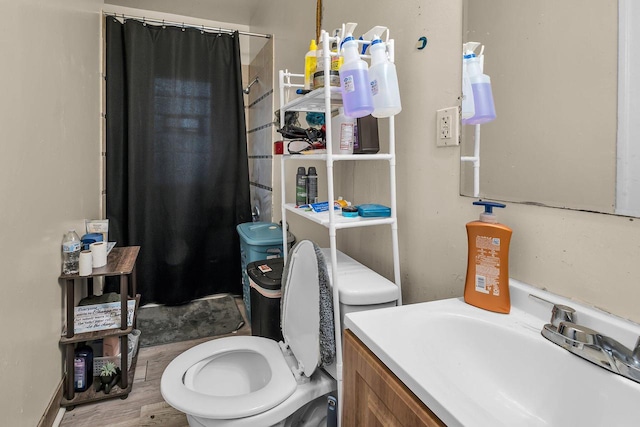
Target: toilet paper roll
<point>86,263</point>
<point>99,254</point>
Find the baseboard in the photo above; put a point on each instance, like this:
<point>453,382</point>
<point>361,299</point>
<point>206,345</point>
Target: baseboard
<point>49,416</point>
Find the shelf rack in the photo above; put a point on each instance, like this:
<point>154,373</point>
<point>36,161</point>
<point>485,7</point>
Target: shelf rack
<point>121,262</point>
<point>325,100</point>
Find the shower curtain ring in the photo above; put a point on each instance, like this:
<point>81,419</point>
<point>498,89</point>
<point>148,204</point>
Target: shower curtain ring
<point>163,26</point>
<point>202,30</point>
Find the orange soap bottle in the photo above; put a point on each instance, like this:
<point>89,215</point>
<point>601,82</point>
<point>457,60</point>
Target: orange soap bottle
<point>487,284</point>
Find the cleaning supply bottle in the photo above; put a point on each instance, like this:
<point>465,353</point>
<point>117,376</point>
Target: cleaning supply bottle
<point>310,65</point>
<point>336,60</point>
<point>487,284</point>
<point>468,109</point>
<point>484,108</point>
<point>342,133</point>
<point>384,81</point>
<point>354,79</point>
<point>312,185</point>
<point>301,186</point>
<point>82,367</point>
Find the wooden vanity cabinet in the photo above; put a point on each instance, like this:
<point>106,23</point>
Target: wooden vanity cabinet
<point>374,396</point>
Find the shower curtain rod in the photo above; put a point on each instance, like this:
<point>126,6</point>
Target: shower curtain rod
<point>185,25</point>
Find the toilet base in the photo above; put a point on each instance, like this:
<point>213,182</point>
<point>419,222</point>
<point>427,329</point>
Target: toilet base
<point>313,414</point>
<point>303,408</point>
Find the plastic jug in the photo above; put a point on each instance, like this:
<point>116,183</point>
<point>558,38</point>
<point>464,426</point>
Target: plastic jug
<point>384,82</point>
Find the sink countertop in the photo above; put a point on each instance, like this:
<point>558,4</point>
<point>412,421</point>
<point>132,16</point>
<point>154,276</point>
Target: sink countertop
<point>473,367</point>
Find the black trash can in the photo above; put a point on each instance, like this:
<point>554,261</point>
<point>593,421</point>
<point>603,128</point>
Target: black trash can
<point>265,280</point>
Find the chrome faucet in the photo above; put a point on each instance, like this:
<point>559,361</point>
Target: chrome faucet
<point>591,345</point>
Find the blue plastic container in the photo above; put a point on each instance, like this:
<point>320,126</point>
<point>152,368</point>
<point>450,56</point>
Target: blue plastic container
<point>258,241</point>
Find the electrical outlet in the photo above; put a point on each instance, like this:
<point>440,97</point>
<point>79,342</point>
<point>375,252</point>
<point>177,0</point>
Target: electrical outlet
<point>447,125</point>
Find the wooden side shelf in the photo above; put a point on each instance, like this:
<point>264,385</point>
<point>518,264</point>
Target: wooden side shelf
<point>121,262</point>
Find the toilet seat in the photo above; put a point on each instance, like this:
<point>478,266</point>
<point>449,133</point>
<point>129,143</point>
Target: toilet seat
<point>192,378</point>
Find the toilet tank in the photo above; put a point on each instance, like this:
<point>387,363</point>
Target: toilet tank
<point>360,287</point>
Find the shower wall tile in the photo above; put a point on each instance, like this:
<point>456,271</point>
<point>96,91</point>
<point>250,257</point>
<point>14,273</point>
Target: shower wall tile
<point>260,131</point>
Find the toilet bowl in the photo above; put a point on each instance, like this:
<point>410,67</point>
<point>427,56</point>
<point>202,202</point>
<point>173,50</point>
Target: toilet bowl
<point>255,381</point>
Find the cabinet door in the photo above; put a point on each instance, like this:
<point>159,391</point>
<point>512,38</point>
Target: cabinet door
<point>374,396</point>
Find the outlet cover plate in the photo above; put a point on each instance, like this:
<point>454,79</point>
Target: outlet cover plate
<point>447,127</point>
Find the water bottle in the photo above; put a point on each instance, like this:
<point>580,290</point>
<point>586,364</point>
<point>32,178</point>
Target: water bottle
<point>71,246</point>
<point>384,82</point>
<point>354,81</point>
<point>301,186</point>
<point>312,185</point>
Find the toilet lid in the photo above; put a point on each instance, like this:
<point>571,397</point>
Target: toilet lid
<point>301,307</point>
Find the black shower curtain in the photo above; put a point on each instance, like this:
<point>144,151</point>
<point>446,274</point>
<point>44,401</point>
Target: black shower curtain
<point>176,168</point>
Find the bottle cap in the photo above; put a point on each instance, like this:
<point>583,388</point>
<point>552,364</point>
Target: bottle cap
<point>488,215</point>
<point>312,170</point>
<point>347,39</point>
<point>313,45</point>
<point>301,170</point>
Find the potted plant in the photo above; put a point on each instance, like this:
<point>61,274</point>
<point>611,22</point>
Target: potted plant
<point>109,376</point>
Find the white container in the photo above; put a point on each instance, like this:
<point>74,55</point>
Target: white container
<point>384,82</point>
<point>342,133</point>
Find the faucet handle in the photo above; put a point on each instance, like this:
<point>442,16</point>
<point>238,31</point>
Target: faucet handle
<point>636,350</point>
<point>561,313</point>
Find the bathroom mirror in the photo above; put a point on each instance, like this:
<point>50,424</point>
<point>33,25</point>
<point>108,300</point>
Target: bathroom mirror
<point>554,73</point>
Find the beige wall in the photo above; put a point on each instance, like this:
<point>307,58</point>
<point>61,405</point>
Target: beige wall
<point>586,256</point>
<point>49,181</point>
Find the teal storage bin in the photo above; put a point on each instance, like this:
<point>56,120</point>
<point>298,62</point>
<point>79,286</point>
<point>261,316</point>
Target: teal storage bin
<point>258,241</point>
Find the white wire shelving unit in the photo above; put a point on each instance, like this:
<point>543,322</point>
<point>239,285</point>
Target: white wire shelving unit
<point>324,100</point>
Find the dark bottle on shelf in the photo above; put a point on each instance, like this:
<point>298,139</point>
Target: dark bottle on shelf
<point>82,367</point>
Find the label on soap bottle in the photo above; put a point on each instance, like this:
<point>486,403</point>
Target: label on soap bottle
<point>487,280</point>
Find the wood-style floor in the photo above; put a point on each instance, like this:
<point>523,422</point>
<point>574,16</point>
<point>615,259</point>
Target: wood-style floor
<point>145,405</point>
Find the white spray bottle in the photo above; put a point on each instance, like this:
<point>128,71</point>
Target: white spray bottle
<point>383,76</point>
<point>468,109</point>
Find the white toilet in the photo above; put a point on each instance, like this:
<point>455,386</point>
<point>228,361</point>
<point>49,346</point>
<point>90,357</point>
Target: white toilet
<point>254,381</point>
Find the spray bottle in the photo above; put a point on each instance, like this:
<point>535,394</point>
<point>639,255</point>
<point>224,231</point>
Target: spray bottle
<point>487,283</point>
<point>354,78</point>
<point>384,78</point>
<point>484,108</point>
<point>310,65</point>
<point>312,185</point>
<point>468,109</point>
<point>301,186</point>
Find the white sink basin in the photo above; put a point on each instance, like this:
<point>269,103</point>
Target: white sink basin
<point>477,368</point>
